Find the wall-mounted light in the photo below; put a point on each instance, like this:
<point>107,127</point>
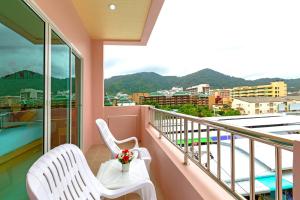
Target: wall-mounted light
<point>112,7</point>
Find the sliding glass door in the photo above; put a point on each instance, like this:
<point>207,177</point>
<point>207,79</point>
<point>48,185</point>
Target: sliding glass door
<point>60,91</point>
<point>27,130</point>
<point>21,95</point>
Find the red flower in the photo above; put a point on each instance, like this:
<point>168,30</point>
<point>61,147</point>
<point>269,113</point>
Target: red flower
<point>126,158</point>
<point>125,151</point>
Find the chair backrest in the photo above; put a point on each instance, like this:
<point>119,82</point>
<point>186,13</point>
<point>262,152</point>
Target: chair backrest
<point>62,173</point>
<point>107,136</point>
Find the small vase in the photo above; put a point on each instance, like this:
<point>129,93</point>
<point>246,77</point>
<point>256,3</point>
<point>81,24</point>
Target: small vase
<point>125,167</point>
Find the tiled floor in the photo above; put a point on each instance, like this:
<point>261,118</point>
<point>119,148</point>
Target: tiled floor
<point>99,154</point>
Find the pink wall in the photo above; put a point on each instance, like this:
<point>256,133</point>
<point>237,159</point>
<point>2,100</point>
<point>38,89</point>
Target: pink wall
<point>124,121</point>
<point>64,16</point>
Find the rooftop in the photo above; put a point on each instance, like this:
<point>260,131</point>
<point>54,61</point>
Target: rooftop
<point>268,99</point>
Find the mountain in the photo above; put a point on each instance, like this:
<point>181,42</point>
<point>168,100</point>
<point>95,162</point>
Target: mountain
<point>150,81</point>
<point>145,81</point>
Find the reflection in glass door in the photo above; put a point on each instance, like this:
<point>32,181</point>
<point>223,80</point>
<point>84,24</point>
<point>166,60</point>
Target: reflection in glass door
<point>76,99</point>
<point>21,95</point>
<point>60,91</point>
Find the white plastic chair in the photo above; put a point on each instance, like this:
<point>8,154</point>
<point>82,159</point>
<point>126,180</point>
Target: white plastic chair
<point>112,142</point>
<point>63,173</point>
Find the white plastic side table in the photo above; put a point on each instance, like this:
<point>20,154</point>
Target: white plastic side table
<point>111,176</point>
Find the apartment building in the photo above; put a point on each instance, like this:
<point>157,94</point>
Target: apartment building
<point>136,97</point>
<point>202,88</point>
<point>222,96</point>
<point>180,98</point>
<point>274,89</point>
<point>264,105</point>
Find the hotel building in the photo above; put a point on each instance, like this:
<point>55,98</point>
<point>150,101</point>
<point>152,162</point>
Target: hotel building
<point>274,89</point>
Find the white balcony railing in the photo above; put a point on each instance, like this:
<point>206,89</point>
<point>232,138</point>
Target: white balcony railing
<point>207,140</point>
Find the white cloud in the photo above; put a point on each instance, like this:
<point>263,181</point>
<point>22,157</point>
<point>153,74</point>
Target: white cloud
<point>251,39</point>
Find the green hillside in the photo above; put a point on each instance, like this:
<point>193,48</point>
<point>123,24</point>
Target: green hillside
<point>150,81</point>
<point>145,81</point>
<point>139,82</point>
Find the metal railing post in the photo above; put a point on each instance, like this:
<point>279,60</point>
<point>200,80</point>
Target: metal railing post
<point>252,169</point>
<point>278,160</point>
<point>160,125</point>
<point>176,138</point>
<point>192,139</point>
<point>218,155</point>
<point>180,132</point>
<point>232,153</point>
<point>208,147</point>
<point>186,142</point>
<point>199,143</point>
<point>173,128</point>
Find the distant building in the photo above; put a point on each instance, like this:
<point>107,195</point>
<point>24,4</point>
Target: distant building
<point>137,97</point>
<point>223,93</point>
<point>65,93</point>
<point>123,100</point>
<point>202,88</point>
<point>179,98</point>
<point>176,89</point>
<point>293,103</point>
<point>11,102</point>
<point>30,93</point>
<point>274,89</point>
<point>170,92</point>
<point>205,100</point>
<point>31,98</point>
<point>222,96</point>
<point>263,105</point>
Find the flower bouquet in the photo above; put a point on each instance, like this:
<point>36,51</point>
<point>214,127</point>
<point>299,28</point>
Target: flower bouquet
<point>125,157</point>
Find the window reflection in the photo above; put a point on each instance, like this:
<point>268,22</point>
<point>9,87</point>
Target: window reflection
<point>21,95</point>
<point>60,91</point>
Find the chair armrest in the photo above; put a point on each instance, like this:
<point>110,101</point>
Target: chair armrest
<point>136,145</point>
<point>137,152</point>
<point>112,194</point>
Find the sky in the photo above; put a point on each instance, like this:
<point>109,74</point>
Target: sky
<point>244,38</point>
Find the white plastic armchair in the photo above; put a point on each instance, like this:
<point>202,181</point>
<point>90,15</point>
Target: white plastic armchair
<point>63,173</point>
<point>111,142</point>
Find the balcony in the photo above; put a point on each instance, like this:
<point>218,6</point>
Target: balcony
<point>179,171</point>
<point>165,135</point>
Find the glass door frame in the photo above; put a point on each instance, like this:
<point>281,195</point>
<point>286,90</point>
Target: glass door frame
<point>49,27</point>
<point>80,100</point>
